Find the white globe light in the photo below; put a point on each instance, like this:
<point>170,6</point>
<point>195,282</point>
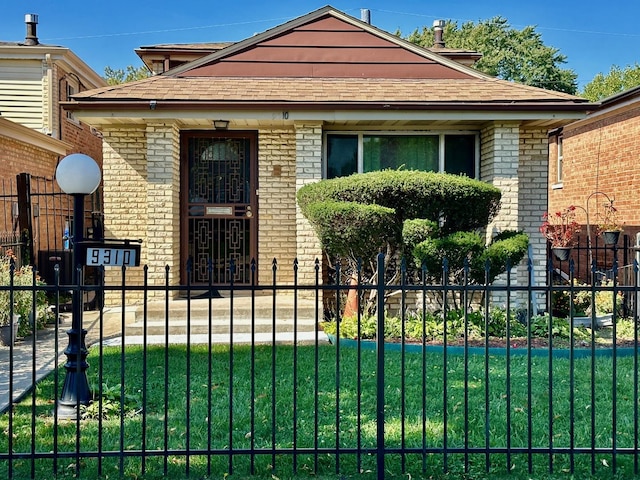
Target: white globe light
<point>78,173</point>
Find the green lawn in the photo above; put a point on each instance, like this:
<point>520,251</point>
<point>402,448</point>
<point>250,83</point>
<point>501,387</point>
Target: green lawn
<point>199,415</point>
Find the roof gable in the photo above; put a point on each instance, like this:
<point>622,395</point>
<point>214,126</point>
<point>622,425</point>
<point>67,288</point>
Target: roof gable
<point>326,66</point>
<point>325,44</point>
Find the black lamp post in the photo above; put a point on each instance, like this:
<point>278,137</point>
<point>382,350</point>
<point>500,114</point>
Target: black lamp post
<point>78,175</point>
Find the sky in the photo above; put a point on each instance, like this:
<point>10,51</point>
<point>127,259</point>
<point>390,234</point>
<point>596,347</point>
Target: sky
<point>593,35</point>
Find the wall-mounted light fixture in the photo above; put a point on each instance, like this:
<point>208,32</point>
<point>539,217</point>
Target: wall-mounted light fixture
<point>221,124</point>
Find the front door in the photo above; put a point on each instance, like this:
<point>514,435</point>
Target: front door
<point>219,221</point>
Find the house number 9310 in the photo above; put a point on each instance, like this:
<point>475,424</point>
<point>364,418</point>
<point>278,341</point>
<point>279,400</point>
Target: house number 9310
<point>111,256</point>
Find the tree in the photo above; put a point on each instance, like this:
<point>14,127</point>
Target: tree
<point>115,77</point>
<point>507,53</point>
<point>616,81</point>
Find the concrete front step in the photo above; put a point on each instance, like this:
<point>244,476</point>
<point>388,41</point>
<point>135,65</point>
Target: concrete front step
<point>286,338</point>
<point>213,316</point>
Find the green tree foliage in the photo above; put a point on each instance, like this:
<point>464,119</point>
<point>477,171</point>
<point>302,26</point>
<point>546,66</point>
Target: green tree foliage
<point>507,53</point>
<point>616,81</point>
<point>116,77</point>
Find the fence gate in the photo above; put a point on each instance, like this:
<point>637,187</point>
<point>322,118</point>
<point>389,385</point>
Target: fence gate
<point>35,220</point>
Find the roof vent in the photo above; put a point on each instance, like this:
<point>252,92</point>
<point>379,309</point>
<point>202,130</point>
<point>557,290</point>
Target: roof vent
<point>365,15</point>
<point>438,26</point>
<point>31,19</point>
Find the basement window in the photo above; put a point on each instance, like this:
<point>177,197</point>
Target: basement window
<point>361,152</point>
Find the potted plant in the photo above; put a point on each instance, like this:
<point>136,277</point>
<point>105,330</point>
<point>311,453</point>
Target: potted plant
<point>580,309</point>
<point>609,225</point>
<point>561,229</point>
<point>16,316</point>
<point>604,306</point>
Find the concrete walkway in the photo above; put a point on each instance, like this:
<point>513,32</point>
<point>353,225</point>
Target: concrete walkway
<point>25,372</point>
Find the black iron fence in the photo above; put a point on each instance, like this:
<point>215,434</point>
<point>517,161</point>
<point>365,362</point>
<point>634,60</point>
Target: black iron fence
<point>36,218</point>
<point>590,253</point>
<point>198,382</point>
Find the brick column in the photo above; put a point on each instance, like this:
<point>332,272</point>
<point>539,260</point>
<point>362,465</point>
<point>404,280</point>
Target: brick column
<point>499,145</point>
<point>499,166</point>
<point>162,242</point>
<point>276,204</point>
<point>308,170</point>
<point>533,176</point>
<point>515,160</point>
<point>124,176</point>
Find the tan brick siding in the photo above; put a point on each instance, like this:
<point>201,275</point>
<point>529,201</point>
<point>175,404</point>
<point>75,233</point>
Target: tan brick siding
<point>276,203</point>
<point>308,170</point>
<point>515,160</point>
<point>125,194</point>
<point>499,150</point>
<point>532,198</point>
<point>142,164</point>
<point>163,197</point>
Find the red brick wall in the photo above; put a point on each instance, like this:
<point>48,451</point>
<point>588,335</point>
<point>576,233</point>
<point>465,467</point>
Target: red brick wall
<point>83,138</point>
<point>600,156</point>
<point>17,157</point>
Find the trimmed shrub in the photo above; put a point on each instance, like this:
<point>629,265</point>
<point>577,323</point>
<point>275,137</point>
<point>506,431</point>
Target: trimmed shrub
<point>457,202</point>
<point>416,231</point>
<point>508,246</point>
<point>352,229</point>
<point>455,248</point>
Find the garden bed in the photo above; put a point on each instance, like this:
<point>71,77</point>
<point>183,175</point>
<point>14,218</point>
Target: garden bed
<point>461,336</point>
<point>498,346</point>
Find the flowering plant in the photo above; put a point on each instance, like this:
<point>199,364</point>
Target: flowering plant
<point>561,227</point>
<point>22,298</point>
<point>10,274</point>
<point>608,220</point>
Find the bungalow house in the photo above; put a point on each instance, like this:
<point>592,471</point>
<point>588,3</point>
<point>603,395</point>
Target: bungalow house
<point>35,132</point>
<point>592,161</point>
<point>203,161</point>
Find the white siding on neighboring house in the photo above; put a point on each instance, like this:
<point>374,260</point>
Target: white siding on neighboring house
<point>21,92</point>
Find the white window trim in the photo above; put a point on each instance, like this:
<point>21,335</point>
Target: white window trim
<point>72,87</point>
<point>362,133</point>
<point>559,164</point>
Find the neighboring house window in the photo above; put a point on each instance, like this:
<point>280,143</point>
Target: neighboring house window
<point>158,67</point>
<point>348,153</point>
<point>71,90</point>
<point>559,178</point>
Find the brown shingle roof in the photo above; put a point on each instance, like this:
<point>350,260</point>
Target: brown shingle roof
<point>325,90</point>
<point>321,73</point>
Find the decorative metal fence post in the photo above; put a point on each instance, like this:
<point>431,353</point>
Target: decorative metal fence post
<point>380,369</point>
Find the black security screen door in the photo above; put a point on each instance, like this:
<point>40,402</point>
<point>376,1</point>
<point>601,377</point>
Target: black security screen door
<point>219,218</point>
